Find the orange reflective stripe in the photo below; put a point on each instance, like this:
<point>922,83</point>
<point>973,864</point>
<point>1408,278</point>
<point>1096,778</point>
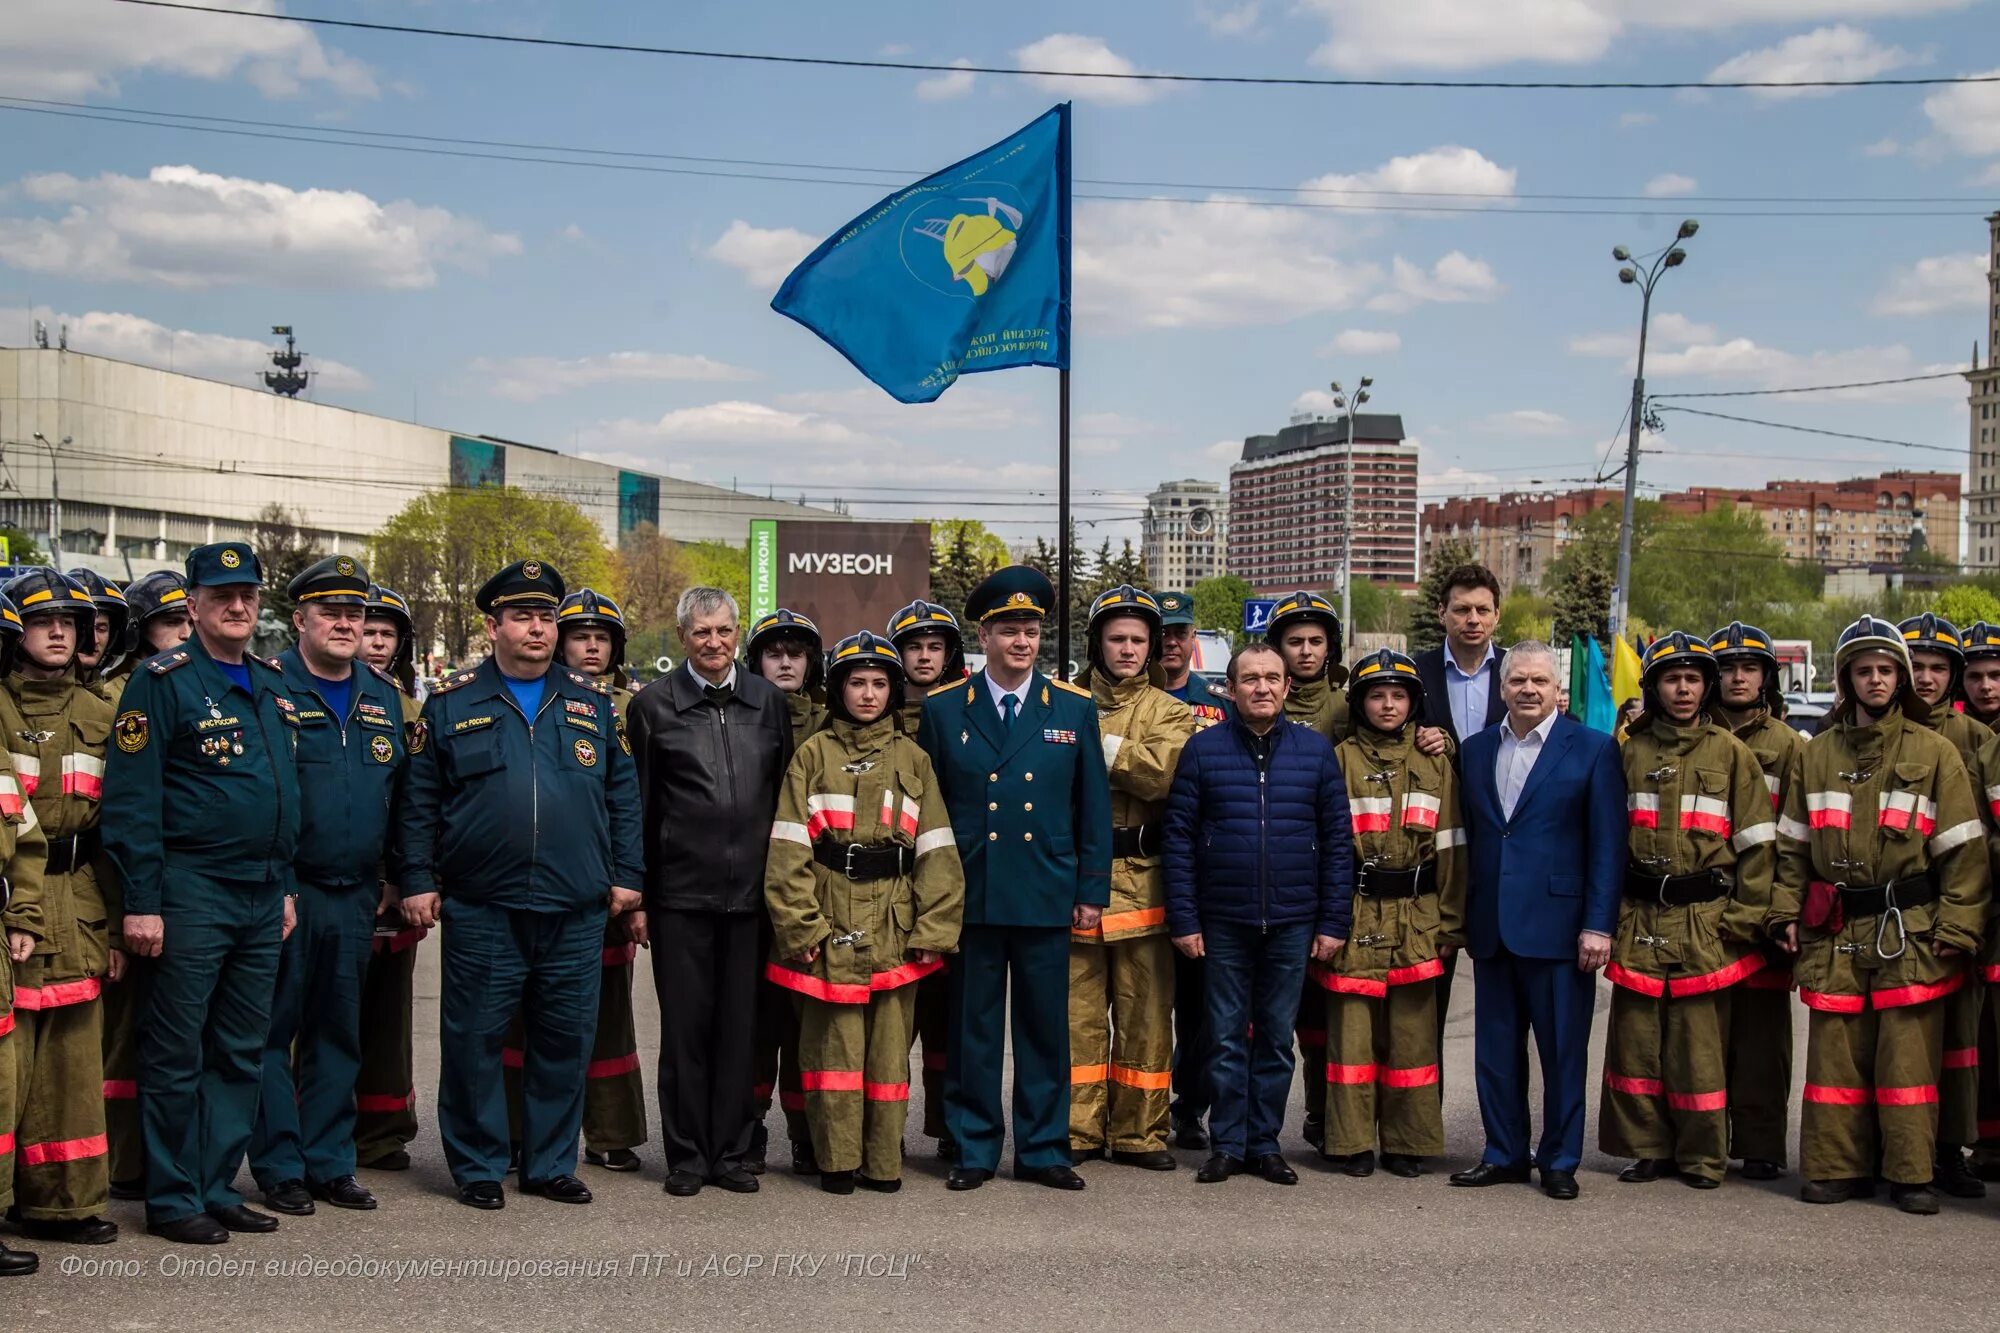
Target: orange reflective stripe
<point>1415,972</point>
<point>1830,1004</point>
<point>886,1092</point>
<point>1415,1076</point>
<point>612,1068</point>
<point>1898,996</point>
<point>58,995</point>
<point>1831,1096</point>
<point>1698,1101</point>
<point>6,1023</point>
<point>1635,1087</point>
<point>7,1144</point>
<point>65,1150</point>
<point>1112,922</point>
<point>1723,977</point>
<point>830,1080</point>
<point>1620,975</point>
<point>1769,978</point>
<point>1142,1078</point>
<point>1923,1094</point>
<point>1085,1074</point>
<point>1344,985</point>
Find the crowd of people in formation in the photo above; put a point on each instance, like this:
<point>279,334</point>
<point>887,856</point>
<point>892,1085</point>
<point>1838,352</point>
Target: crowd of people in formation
<point>1173,894</point>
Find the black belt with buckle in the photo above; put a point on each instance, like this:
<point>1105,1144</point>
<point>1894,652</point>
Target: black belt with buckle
<point>1136,840</point>
<point>67,854</point>
<point>1704,886</point>
<point>1872,899</point>
<point>862,862</point>
<point>1375,882</point>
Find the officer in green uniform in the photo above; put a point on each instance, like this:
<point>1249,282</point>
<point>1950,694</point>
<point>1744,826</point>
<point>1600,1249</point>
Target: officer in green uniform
<point>201,817</point>
<point>351,759</point>
<point>1022,769</point>
<point>520,810</point>
<point>385,1095</point>
<point>591,633</point>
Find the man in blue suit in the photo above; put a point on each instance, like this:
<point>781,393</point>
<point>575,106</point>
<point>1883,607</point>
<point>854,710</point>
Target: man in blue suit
<point>1545,823</point>
<point>1022,770</point>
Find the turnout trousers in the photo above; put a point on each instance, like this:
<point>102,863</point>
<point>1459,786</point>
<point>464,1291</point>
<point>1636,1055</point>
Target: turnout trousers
<point>1121,1043</point>
<point>1381,1072</point>
<point>61,1153</point>
<point>855,1070</point>
<point>1871,1078</point>
<point>1760,1066</point>
<point>1666,1079</point>
<point>385,1089</point>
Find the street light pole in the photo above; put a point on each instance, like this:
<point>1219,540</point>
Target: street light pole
<point>1347,487</point>
<point>1672,257</point>
<point>55,501</point>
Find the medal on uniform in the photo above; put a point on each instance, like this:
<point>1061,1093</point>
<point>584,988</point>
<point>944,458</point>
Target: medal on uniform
<point>213,711</point>
<point>964,736</point>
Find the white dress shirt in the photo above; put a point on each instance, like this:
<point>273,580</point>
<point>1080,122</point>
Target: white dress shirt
<point>1517,759</point>
<point>1000,693</point>
<point>1467,694</point>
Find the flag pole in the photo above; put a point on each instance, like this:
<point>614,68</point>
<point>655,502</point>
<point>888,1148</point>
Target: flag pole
<point>1063,542</point>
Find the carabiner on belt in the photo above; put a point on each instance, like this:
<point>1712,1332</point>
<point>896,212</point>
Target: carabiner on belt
<point>1890,912</point>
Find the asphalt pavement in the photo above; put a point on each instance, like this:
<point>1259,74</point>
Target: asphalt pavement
<point>1137,1250</point>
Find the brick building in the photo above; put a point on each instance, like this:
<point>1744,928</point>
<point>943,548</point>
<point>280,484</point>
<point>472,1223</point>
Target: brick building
<point>1287,505</point>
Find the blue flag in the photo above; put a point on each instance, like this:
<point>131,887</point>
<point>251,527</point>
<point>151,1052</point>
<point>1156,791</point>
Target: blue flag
<point>967,270</point>
<point>1599,713</point>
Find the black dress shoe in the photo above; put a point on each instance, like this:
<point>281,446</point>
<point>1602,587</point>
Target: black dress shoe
<point>290,1197</point>
<point>879,1186</point>
<point>1157,1160</point>
<point>1916,1199</point>
<point>71,1231</point>
<point>1055,1177</point>
<point>967,1177</point>
<point>1190,1134</point>
<point>128,1189</point>
<point>1407,1166</point>
<point>804,1161</point>
<point>247,1220</point>
<point>482,1194</point>
<point>201,1229</point>
<point>1360,1165</point>
<point>20,1263</point>
<point>837,1182</point>
<point>613,1159</point>
<point>1950,1176</point>
<point>1757,1168</point>
<point>1647,1170</point>
<point>683,1184</point>
<point>559,1189</point>
<point>394,1160</point>
<point>1486,1173</point>
<point>1695,1182</point>
<point>344,1192</point>
<point>1559,1184</point>
<point>1221,1166</point>
<point>1274,1168</point>
<point>737,1180</point>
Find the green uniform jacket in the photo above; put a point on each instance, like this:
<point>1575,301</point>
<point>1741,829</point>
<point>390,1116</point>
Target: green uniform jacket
<point>808,716</point>
<point>1696,801</point>
<point>1774,742</point>
<point>1404,807</point>
<point>1030,807</point>
<point>864,786</point>
<point>1865,805</point>
<point>24,853</point>
<point>1143,729</point>
<point>536,813</point>
<point>350,768</point>
<point>201,776</point>
<point>1207,706</point>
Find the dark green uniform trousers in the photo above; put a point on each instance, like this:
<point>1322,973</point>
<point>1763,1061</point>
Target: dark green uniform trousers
<point>932,1027</point>
<point>614,1096</point>
<point>1035,960</point>
<point>305,1119</point>
<point>201,1046</point>
<point>546,967</point>
<point>125,1003</point>
<point>385,1092</point>
<point>1760,1066</point>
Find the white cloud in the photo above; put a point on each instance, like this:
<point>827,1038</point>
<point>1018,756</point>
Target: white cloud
<point>1363,342</point>
<point>524,379</point>
<point>179,227</point>
<point>1746,361</point>
<point>1086,55</point>
<point>1839,52</point>
<point>1670,184</point>
<point>218,356</point>
<point>1224,451</point>
<point>1883,147</point>
<point>763,255</point>
<point>946,87</point>
<point>1369,36</point>
<point>1446,170</point>
<point>1932,286</point>
<point>55,49</point>
<point>1530,421</point>
<point>1316,402</point>
<point>1632,120</point>
<point>1106,432</point>
<point>752,424</point>
<point>1455,278</point>
<point>1456,480</point>
<point>1669,330</point>
<point>975,403</point>
<point>1228,21</point>
<point>1968,115</point>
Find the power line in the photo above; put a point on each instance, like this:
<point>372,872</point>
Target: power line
<point>914,66</point>
<point>1819,388</point>
<point>1814,430</point>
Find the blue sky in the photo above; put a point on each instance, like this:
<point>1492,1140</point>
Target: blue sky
<point>624,314</point>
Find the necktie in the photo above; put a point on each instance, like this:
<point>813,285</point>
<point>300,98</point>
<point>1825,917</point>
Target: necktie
<point>1008,703</point>
<point>718,694</point>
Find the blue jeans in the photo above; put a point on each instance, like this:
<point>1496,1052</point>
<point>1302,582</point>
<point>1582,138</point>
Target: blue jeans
<point>1255,975</point>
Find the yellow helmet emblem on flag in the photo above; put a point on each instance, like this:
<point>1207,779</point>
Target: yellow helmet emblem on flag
<point>977,246</point>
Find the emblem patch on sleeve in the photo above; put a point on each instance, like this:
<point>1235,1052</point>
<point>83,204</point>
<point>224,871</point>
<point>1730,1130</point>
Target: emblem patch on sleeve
<point>419,735</point>
<point>132,731</point>
<point>586,753</point>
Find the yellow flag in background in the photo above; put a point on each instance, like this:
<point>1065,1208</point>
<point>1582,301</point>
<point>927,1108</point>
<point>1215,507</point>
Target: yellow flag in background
<point>1624,672</point>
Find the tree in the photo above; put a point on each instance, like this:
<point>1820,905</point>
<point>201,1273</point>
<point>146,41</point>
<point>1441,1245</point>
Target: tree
<point>21,548</point>
<point>1525,614</point>
<point>1426,631</point>
<point>286,548</point>
<point>1128,567</point>
<point>438,549</point>
<point>1580,597</point>
<point>1082,579</point>
<point>1218,604</point>
<point>1376,610</point>
<point>1964,605</point>
<point>649,575</point>
<point>1694,572</point>
<point>963,553</point>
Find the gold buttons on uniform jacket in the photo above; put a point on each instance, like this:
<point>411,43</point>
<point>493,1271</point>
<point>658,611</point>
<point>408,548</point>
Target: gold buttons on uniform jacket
<point>1028,805</point>
<point>1027,777</point>
<point>1027,837</point>
<point>993,805</point>
<point>992,837</point>
<point>992,777</point>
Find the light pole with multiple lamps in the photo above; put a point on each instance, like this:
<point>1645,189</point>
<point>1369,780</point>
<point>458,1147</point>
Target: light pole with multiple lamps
<point>55,500</point>
<point>1631,275</point>
<point>1351,406</point>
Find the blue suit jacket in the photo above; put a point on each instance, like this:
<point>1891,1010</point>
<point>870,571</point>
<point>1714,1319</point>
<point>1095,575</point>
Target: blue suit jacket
<point>1557,867</point>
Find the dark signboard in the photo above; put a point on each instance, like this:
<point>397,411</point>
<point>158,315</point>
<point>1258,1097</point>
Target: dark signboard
<point>844,576</point>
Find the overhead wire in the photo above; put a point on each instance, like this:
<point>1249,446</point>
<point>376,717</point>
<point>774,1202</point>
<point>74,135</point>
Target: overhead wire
<point>1813,430</point>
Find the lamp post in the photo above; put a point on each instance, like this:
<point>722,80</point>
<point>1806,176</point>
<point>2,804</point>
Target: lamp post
<point>55,501</point>
<point>1351,406</point>
<point>1671,257</point>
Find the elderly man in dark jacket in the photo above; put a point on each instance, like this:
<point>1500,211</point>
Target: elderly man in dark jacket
<point>711,744</point>
<point>1260,877</point>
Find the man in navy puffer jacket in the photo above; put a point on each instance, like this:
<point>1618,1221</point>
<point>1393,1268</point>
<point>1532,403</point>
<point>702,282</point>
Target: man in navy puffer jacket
<point>1260,877</point>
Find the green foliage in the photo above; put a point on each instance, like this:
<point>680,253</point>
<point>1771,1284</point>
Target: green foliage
<point>1964,604</point>
<point>1218,604</point>
<point>1376,609</point>
<point>1580,596</point>
<point>1525,614</point>
<point>286,548</point>
<point>1426,632</point>
<point>716,565</point>
<point>963,552</point>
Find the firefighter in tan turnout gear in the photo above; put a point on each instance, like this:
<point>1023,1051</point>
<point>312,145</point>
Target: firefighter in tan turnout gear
<point>1750,702</point>
<point>1697,889</point>
<point>1121,971</point>
<point>1937,662</point>
<point>866,893</point>
<point>1381,1074</point>
<point>23,853</point>
<point>1882,891</point>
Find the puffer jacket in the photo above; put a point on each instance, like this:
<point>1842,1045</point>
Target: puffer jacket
<point>1143,729</point>
<point>1259,842</point>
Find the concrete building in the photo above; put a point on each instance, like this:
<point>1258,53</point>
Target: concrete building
<point>1184,533</point>
<point>1287,505</point>
<point>157,463</point>
<point>1983,501</point>
<point>1518,534</point>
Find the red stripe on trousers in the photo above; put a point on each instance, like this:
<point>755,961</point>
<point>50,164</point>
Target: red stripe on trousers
<point>612,1068</point>
<point>1698,1101</point>
<point>382,1103</point>
<point>886,1092</point>
<point>1961,1057</point>
<point>830,1080</point>
<point>792,1101</point>
<point>64,1150</point>
<point>1416,1076</point>
<point>1829,1096</point>
<point>1635,1087</point>
<point>121,1089</point>
<point>1350,1073</point>
<point>7,1144</point>
<point>1924,1094</point>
